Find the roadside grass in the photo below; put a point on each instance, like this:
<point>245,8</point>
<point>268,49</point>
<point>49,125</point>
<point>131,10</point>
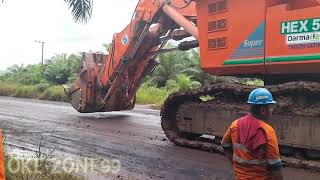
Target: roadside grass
<point>35,169</point>
<point>40,91</point>
<point>152,95</point>
<point>23,91</point>
<point>7,89</point>
<point>53,93</point>
<point>147,94</point>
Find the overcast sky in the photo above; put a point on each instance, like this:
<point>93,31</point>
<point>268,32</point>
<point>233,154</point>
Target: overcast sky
<point>22,22</point>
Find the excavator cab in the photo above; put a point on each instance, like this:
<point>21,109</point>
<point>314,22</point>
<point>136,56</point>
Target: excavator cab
<point>259,38</point>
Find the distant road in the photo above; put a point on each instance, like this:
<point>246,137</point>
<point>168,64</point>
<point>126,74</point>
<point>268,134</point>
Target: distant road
<point>134,137</point>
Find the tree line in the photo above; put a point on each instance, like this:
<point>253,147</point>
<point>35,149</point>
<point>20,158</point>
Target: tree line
<point>176,70</point>
<point>60,69</point>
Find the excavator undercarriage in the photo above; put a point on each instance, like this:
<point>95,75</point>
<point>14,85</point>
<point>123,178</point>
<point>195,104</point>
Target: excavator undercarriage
<point>189,121</point>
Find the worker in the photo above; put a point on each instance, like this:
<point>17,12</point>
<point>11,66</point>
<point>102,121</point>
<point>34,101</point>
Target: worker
<point>251,143</point>
<point>2,174</point>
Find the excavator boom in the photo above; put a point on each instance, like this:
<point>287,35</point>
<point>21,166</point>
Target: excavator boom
<point>109,82</point>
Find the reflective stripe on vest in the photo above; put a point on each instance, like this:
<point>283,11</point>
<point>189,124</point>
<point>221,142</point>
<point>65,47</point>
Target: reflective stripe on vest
<point>240,146</point>
<point>250,162</point>
<point>254,161</point>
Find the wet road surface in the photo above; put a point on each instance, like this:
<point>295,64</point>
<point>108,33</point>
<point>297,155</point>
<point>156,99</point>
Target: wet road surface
<point>135,138</point>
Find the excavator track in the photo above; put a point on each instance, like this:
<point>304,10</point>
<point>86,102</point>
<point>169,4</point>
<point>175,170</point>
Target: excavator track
<point>185,118</point>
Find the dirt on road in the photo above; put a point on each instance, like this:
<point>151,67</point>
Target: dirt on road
<point>131,140</point>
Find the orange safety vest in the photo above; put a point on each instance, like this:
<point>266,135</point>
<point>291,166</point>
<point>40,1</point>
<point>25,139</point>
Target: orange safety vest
<point>2,176</point>
<point>245,164</point>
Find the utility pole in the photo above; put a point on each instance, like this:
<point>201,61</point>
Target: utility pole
<point>42,63</point>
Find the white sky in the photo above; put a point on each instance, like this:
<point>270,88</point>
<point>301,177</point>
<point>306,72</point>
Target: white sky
<point>24,21</point>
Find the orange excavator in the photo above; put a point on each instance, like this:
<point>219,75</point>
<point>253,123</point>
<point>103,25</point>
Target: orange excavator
<point>274,40</point>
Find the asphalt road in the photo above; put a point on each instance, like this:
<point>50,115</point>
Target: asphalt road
<point>134,138</point>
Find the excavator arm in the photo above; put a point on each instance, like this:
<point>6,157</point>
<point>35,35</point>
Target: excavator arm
<point>110,82</point>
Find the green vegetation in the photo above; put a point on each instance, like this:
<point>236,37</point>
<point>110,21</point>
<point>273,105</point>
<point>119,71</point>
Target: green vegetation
<point>30,82</point>
<point>60,69</point>
<point>152,95</point>
<point>177,71</point>
<point>81,10</point>
<point>255,82</point>
<point>52,93</point>
<point>174,64</point>
<point>182,82</point>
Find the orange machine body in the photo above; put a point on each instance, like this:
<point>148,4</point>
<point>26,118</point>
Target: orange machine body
<point>271,39</point>
<point>263,37</point>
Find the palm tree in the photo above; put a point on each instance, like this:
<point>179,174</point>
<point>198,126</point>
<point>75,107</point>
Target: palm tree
<point>182,83</point>
<point>171,64</point>
<point>81,10</point>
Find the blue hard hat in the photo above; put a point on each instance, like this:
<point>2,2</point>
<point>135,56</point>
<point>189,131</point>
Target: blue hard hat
<point>261,96</point>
